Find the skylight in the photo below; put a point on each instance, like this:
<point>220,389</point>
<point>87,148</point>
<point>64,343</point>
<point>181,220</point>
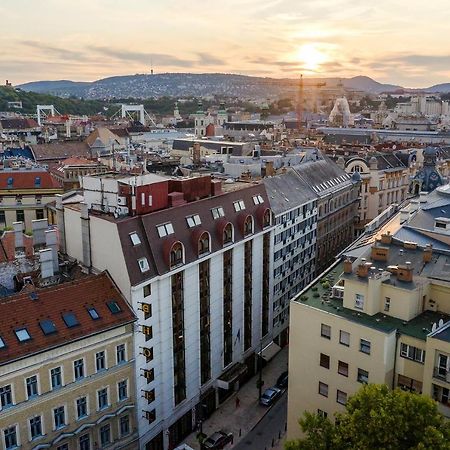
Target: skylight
<point>193,221</point>
<point>70,319</point>
<point>47,326</point>
<point>257,199</point>
<point>239,205</point>
<point>22,334</point>
<point>165,229</point>
<point>135,238</point>
<point>217,212</point>
<point>2,343</point>
<point>143,264</point>
<point>114,307</point>
<point>93,313</point>
<point>34,295</point>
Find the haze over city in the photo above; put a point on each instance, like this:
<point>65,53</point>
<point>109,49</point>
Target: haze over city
<point>89,40</point>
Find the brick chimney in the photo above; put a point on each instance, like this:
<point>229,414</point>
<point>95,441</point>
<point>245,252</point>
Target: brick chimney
<point>379,253</point>
<point>427,253</point>
<point>363,269</point>
<point>348,266</point>
<point>269,169</point>
<point>405,273</point>
<point>386,238</point>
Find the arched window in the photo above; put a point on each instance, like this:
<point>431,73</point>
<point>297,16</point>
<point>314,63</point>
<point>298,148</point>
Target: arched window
<point>203,244</point>
<point>267,218</point>
<point>248,225</point>
<point>176,255</point>
<point>228,234</point>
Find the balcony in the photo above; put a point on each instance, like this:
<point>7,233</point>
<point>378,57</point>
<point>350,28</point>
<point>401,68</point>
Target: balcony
<point>441,374</point>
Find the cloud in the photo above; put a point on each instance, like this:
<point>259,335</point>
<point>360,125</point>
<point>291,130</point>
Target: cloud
<point>207,59</point>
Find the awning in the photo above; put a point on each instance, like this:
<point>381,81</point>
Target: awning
<point>231,375</point>
<point>269,351</point>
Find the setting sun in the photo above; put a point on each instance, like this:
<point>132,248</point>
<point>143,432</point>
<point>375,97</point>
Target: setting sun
<point>311,56</point>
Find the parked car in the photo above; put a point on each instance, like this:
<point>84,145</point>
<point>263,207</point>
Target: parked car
<point>270,395</point>
<point>218,440</point>
<point>282,381</point>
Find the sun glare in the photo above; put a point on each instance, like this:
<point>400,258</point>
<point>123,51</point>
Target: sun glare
<point>311,57</point>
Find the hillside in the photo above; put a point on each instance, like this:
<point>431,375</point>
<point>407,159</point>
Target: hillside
<point>191,85</point>
<point>444,88</point>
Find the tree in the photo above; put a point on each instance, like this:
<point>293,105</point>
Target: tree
<point>377,418</point>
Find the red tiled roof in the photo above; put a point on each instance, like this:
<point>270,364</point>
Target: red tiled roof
<point>27,180</point>
<point>21,311</point>
<point>60,150</point>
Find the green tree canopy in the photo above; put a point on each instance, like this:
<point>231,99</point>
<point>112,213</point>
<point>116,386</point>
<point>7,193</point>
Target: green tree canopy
<point>377,418</point>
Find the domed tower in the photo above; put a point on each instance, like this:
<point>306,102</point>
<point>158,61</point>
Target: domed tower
<point>200,121</point>
<point>428,177</point>
<point>222,115</point>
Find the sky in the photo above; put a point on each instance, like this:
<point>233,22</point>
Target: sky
<point>393,41</point>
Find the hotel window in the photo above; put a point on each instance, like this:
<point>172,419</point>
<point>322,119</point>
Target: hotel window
<point>122,388</point>
<point>100,361</point>
<point>35,427</point>
<point>323,389</point>
<point>364,346</point>
<point>135,238</point>
<point>239,205</point>
<point>55,378</point>
<point>165,229</point>
<point>105,435</point>
<point>217,213</point>
<point>102,397</point>
<point>32,386</point>
<point>343,368</point>
<point>143,264</point>
<point>344,338</point>
<point>248,225</point>
<point>124,424</point>
<point>193,221</point>
<point>6,396</point>
<point>147,290</point>
<point>228,234</point>
<point>78,369</point>
<point>324,361</point>
<point>81,407</point>
<point>341,397</point>
<point>363,376</point>
<point>10,435</point>
<point>203,244</point>
<point>59,417</point>
<point>325,331</point>
<point>359,301</point>
<point>121,354</point>
<point>267,218</point>
<point>176,255</point>
<point>387,304</point>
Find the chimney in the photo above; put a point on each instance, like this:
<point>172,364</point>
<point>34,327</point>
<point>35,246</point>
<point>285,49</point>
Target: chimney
<point>46,261</point>
<point>386,238</point>
<point>51,242</point>
<point>61,223</point>
<point>363,269</point>
<point>269,169</point>
<point>196,153</point>
<point>379,253</point>
<point>85,234</point>
<point>18,235</point>
<point>39,227</point>
<point>348,266</point>
<point>404,215</point>
<point>405,273</point>
<point>410,245</point>
<point>427,253</point>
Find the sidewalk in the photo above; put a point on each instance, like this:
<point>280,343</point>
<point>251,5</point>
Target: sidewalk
<point>241,420</point>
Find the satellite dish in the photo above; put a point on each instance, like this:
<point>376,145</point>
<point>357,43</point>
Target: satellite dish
<point>441,322</point>
<point>433,328</point>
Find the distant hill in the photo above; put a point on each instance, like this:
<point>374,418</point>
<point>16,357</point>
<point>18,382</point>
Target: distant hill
<point>188,84</point>
<point>443,88</point>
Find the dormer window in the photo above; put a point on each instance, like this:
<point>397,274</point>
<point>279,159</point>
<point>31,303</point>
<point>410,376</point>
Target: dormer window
<point>239,205</point>
<point>267,218</point>
<point>176,255</point>
<point>135,238</point>
<point>257,199</point>
<point>228,234</point>
<point>165,229</point>
<point>248,225</point>
<point>143,264</point>
<point>193,221</point>
<point>217,213</point>
<point>203,244</point>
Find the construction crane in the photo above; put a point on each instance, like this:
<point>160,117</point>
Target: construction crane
<point>300,98</point>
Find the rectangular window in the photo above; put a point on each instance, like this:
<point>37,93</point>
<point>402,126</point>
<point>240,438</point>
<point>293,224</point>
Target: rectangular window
<point>102,396</point>
<point>193,221</point>
<point>63,447</point>
<point>81,407</point>
<point>217,213</point>
<point>84,442</point>
<point>364,346</point>
<point>343,368</point>
<point>10,435</point>
<point>143,264</point>
<point>124,423</point>
<point>359,301</point>
<point>39,214</point>
<point>100,361</point>
<point>323,389</point>
<point>123,390</point>
<point>2,219</point>
<point>20,215</point>
<point>35,427</point>
<point>344,338</point>
<point>147,290</point>
<point>55,378</point>
<point>387,304</point>
<point>239,205</point>
<point>120,354</point>
<point>322,413</point>
<point>6,396</point>
<point>105,434</point>
<point>59,417</point>
<point>325,331</point>
<point>165,229</point>
<point>32,386</point>
<point>363,376</point>
<point>413,353</point>
<point>135,238</point>
<point>324,361</point>
<point>341,397</point>
<point>78,369</point>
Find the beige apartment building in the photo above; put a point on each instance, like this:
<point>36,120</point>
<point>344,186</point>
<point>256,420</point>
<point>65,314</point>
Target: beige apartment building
<point>24,194</point>
<point>67,368</point>
<point>379,315</point>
